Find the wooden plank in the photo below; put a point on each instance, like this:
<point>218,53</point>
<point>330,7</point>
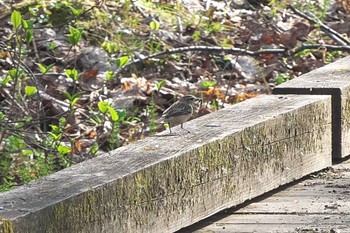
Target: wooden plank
<point>317,204</point>
<point>164,183</point>
<point>277,223</point>
<point>332,79</point>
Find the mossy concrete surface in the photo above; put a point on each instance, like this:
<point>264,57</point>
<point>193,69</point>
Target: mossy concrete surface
<point>332,79</point>
<point>164,183</point>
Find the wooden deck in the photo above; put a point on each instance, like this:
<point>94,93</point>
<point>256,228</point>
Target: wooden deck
<point>317,203</point>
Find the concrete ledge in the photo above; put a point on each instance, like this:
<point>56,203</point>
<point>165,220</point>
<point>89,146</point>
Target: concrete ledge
<point>164,183</point>
<point>333,79</point>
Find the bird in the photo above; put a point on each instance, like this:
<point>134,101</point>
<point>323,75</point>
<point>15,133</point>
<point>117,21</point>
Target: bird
<point>179,112</point>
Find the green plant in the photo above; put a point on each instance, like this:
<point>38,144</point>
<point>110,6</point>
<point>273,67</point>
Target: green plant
<point>110,47</point>
<point>331,55</point>
<point>105,108</point>
<point>160,84</point>
<point>213,27</point>
<point>282,78</point>
<point>208,83</point>
<point>196,36</point>
<point>152,116</point>
<point>110,75</point>
<point>154,46</point>
<point>215,104</point>
<point>154,25</point>
<point>7,184</point>
<point>20,165</point>
<point>74,35</point>
<point>317,11</point>
<point>121,61</point>
<point>44,69</point>
<point>55,144</point>
<point>30,90</point>
<point>114,116</point>
<point>32,142</point>
<point>73,74</point>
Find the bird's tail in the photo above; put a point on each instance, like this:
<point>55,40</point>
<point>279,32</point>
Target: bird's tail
<point>161,120</point>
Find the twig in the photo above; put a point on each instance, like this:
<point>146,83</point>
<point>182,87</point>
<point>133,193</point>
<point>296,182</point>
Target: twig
<point>214,49</point>
<point>14,102</point>
<point>217,49</point>
<point>329,31</point>
<point>318,46</point>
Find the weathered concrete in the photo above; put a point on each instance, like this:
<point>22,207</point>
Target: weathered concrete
<point>164,183</point>
<point>332,79</point>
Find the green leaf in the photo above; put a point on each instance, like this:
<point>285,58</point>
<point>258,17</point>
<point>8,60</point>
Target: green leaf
<point>67,95</point>
<point>110,46</point>
<point>76,12</point>
<point>33,11</point>
<point>24,24</point>
<point>62,123</point>
<point>63,149</point>
<point>110,74</point>
<point>29,35</point>
<point>282,78</point>
<point>42,68</point>
<point>2,116</point>
<point>208,83</point>
<point>6,80</point>
<point>72,98</point>
<point>52,45</point>
<point>160,84</point>
<point>113,113</point>
<point>49,67</point>
<point>27,153</point>
<point>14,73</point>
<point>120,62</point>
<point>74,35</point>
<point>16,143</point>
<point>94,148</point>
<point>121,113</point>
<point>74,101</point>
<point>55,137</point>
<point>27,119</point>
<point>96,120</point>
<point>73,74</point>
<point>154,25</point>
<point>196,35</point>
<point>216,27</point>
<point>16,19</point>
<point>30,90</point>
<point>103,107</point>
<point>55,128</point>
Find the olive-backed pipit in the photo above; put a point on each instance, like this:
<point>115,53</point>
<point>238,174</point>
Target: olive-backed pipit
<point>179,112</point>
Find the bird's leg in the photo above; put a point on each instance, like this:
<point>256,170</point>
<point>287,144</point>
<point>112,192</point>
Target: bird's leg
<point>182,127</point>
<point>169,127</point>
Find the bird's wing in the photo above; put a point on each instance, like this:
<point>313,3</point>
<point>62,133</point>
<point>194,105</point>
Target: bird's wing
<point>178,109</point>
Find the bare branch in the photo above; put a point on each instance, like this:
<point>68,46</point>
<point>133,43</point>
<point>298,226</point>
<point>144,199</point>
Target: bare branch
<point>217,49</point>
<point>329,31</point>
